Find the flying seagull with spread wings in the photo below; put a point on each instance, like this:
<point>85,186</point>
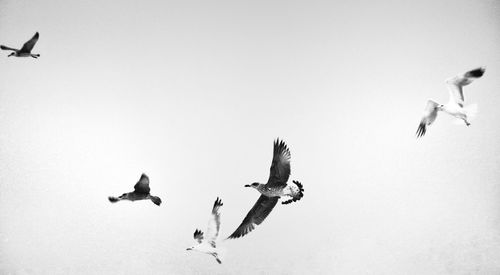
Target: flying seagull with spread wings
<point>455,107</point>
<point>25,51</point>
<point>271,192</point>
<point>207,244</point>
<point>141,192</point>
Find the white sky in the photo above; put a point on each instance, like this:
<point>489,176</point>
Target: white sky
<point>193,93</point>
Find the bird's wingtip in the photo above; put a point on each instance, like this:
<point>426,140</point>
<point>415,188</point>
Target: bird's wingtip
<point>113,199</point>
<point>218,202</point>
<point>420,130</point>
<point>476,73</point>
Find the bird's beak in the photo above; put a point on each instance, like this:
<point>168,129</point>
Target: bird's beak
<point>247,185</point>
<point>188,248</point>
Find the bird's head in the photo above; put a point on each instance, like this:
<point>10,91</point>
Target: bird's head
<point>440,107</point>
<point>11,54</point>
<point>253,185</point>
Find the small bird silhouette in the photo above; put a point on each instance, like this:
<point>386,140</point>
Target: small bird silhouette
<point>25,51</point>
<point>141,192</point>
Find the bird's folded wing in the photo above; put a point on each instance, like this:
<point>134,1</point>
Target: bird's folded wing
<point>214,223</point>
<point>280,166</point>
<point>28,46</point>
<point>255,216</point>
<point>142,186</point>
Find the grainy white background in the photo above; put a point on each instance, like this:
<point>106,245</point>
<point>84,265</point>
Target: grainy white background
<point>193,93</point>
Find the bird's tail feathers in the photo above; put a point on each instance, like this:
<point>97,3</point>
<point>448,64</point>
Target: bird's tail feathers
<point>470,113</point>
<point>297,192</point>
<point>155,200</point>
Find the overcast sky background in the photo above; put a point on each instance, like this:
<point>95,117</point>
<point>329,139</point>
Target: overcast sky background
<point>193,93</point>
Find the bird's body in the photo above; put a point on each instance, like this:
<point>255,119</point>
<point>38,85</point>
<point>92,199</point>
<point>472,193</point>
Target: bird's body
<point>275,188</point>
<point>280,191</point>
<point>208,244</point>
<point>25,51</point>
<point>456,111</point>
<point>455,106</point>
<point>141,192</point>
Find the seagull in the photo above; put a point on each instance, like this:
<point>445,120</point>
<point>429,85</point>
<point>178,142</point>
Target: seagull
<point>141,192</point>
<point>208,245</point>
<point>455,106</point>
<point>275,188</point>
<point>25,51</point>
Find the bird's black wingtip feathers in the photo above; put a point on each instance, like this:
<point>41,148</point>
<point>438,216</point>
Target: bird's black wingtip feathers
<point>280,146</point>
<point>476,73</point>
<point>113,199</point>
<point>421,130</point>
<point>197,233</point>
<point>236,234</point>
<point>218,202</point>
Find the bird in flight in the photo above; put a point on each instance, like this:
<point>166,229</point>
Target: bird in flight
<point>207,244</point>
<point>275,188</point>
<point>25,51</point>
<point>455,106</point>
<point>141,192</point>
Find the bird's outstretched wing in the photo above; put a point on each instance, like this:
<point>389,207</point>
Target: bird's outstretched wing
<point>7,48</point>
<point>142,186</point>
<point>429,115</point>
<point>456,83</point>
<point>214,223</point>
<point>255,216</point>
<point>198,235</point>
<point>280,166</point>
<point>28,46</point>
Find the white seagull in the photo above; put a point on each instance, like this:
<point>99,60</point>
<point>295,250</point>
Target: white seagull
<point>25,51</point>
<point>207,245</point>
<point>271,192</point>
<point>455,106</point>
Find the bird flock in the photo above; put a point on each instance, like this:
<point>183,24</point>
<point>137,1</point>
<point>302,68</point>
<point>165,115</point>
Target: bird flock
<point>277,185</point>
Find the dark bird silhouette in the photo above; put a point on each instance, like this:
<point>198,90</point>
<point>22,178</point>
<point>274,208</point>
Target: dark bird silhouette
<point>25,51</point>
<point>141,192</point>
